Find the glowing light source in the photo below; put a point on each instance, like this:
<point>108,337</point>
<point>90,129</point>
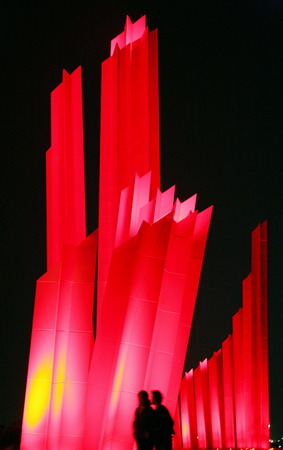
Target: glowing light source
<point>38,394</point>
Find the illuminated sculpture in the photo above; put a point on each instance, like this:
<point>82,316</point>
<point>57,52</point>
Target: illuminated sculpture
<point>224,403</point>
<point>81,393</point>
<point>149,261</point>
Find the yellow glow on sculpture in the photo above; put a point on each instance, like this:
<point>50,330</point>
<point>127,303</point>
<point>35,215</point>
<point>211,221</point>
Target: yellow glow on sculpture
<point>38,396</point>
<point>118,380</point>
<point>185,428</point>
<point>59,385</point>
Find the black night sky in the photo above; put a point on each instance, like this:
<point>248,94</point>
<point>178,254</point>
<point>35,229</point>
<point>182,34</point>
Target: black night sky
<point>221,136</point>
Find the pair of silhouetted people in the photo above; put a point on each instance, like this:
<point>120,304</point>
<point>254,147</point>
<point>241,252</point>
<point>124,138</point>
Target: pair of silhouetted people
<point>153,428</point>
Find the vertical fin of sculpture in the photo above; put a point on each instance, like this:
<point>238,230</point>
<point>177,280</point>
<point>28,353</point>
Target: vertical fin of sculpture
<point>62,334</point>
<point>188,412</point>
<point>65,169</point>
<point>200,384</point>
<point>228,394</point>
<point>193,272</point>
<point>216,396</point>
<point>249,342</point>
<point>237,332</point>
<point>129,142</point>
<point>260,323</point>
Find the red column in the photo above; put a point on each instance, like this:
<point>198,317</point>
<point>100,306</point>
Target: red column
<point>202,405</point>
<point>249,352</point>
<point>238,378</point>
<point>129,129</point>
<point>188,411</point>
<point>65,169</point>
<point>228,400</point>
<point>62,335</point>
<point>260,326</point>
<point>216,396</point>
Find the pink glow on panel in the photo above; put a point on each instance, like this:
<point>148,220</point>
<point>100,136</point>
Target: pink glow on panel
<point>164,203</point>
<point>140,199</point>
<point>182,209</point>
<point>135,207</point>
<point>146,213</point>
<point>124,216</point>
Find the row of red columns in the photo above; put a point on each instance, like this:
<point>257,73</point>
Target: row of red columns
<point>224,402</point>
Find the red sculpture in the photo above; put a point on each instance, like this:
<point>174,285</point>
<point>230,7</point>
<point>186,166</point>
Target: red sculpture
<point>80,392</point>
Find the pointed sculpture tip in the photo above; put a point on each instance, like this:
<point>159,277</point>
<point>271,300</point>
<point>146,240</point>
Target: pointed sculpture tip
<point>132,32</point>
<point>128,21</point>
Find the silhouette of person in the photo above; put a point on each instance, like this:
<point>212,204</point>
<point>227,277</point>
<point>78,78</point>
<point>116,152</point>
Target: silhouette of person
<point>143,423</point>
<point>163,424</point>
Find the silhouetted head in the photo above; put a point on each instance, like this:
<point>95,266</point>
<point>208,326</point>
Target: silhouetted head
<point>156,397</point>
<point>143,398</point>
